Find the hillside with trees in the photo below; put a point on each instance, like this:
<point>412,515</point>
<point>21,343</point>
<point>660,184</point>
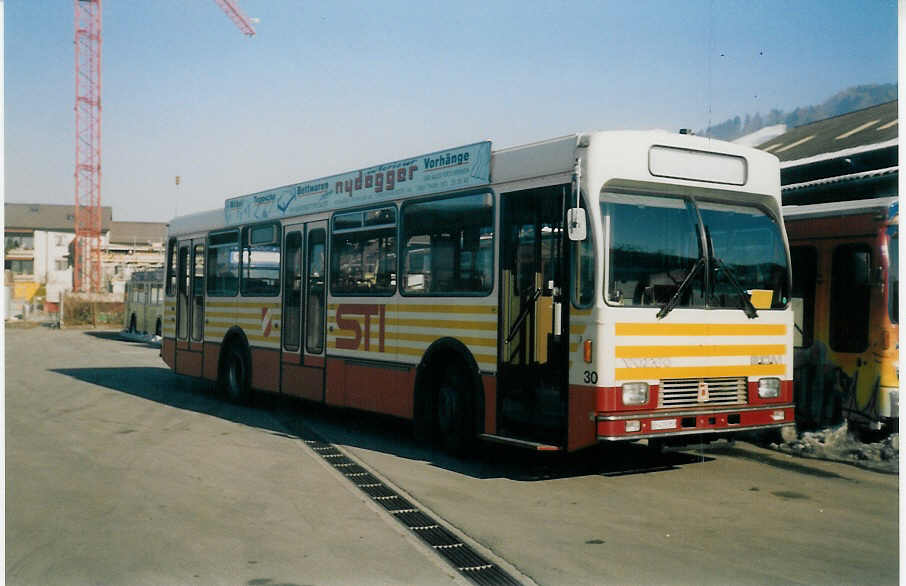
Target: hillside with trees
<point>848,100</point>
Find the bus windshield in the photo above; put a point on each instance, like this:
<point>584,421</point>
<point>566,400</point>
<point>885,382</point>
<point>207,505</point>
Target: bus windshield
<point>654,244</point>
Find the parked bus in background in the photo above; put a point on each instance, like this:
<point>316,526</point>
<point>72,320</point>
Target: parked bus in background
<point>145,302</point>
<point>845,298</point>
<point>609,286</point>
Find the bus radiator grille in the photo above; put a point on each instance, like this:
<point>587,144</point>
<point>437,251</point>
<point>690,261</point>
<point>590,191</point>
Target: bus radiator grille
<point>689,392</point>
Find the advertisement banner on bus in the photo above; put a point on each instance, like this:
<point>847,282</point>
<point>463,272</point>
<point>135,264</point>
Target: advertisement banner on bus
<point>456,168</point>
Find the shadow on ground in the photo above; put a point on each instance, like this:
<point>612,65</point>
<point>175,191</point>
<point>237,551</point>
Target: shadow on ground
<point>289,417</point>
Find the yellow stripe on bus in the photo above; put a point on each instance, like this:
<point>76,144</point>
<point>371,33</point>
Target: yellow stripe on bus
<point>648,373</point>
<point>700,350</point>
<point>658,329</point>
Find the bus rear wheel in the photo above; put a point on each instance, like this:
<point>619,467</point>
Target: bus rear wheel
<point>233,378</point>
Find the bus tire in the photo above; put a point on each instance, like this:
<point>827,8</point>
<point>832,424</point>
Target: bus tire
<point>454,411</point>
<point>132,324</point>
<point>234,375</point>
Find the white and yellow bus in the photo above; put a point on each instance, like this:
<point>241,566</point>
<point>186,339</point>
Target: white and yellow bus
<point>145,302</point>
<point>597,287</point>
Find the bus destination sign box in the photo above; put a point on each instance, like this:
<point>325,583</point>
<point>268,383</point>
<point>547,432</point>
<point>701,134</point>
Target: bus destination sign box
<point>449,169</point>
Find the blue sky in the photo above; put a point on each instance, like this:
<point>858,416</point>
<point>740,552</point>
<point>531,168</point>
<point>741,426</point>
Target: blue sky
<point>326,87</point>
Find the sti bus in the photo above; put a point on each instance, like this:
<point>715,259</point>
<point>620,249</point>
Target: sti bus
<point>845,300</point>
<point>600,287</point>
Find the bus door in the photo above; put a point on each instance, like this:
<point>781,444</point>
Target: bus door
<point>302,355</point>
<point>190,307</point>
<point>533,338</point>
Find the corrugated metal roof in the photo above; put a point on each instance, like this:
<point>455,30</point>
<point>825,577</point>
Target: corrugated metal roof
<point>838,208</point>
<point>43,216</point>
<point>869,126</point>
<point>840,179</point>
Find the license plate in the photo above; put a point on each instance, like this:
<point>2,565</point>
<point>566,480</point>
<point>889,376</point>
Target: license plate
<point>663,424</point>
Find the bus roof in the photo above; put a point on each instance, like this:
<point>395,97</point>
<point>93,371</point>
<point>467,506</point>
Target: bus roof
<point>680,159</point>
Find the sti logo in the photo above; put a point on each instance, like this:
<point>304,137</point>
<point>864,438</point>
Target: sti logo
<point>347,311</point>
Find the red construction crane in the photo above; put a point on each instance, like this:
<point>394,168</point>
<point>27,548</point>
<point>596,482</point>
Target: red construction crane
<point>86,274</point>
<point>239,19</point>
<point>87,244</point>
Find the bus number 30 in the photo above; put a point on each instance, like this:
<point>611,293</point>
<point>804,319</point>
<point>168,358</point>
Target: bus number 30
<point>590,376</point>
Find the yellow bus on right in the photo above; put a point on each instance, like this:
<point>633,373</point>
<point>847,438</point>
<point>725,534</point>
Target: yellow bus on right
<point>839,188</point>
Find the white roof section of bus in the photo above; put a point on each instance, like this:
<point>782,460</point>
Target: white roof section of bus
<point>838,208</point>
<point>624,154</point>
<point>198,222</point>
<point>538,159</point>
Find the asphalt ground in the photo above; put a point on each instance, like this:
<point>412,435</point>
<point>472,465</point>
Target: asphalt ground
<point>120,472</point>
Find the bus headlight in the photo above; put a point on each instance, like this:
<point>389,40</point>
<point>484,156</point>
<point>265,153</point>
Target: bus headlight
<point>768,388</point>
<point>635,393</point>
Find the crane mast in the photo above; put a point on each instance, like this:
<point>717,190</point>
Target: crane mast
<point>87,215</point>
<point>86,273</point>
<point>242,22</point>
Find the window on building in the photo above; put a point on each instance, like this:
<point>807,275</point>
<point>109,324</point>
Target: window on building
<point>223,264</point>
<point>21,267</point>
<point>260,261</point>
<point>61,264</point>
<point>448,246</point>
<point>20,241</point>
<point>363,258</point>
<point>850,298</point>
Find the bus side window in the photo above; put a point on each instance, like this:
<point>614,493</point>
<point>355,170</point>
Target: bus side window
<point>198,292</point>
<point>182,301</point>
<point>448,245</point>
<point>223,264</point>
<point>805,271</point>
<point>171,267</point>
<point>850,298</point>
<point>260,261</point>
<point>314,312</point>
<point>584,271</point>
<point>363,253</point>
<point>292,296</point>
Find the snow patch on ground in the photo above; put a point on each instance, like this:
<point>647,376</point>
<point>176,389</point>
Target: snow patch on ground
<point>838,444</point>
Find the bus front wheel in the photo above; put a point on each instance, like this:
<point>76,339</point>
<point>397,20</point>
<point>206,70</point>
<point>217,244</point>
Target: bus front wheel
<point>453,413</point>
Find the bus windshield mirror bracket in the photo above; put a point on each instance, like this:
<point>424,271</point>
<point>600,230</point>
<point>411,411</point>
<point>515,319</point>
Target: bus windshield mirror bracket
<point>668,307</point>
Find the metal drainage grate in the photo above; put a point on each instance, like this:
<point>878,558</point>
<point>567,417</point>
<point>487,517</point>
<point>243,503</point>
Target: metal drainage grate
<point>460,555</point>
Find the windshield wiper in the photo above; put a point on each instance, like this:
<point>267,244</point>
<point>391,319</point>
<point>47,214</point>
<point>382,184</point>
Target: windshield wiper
<point>743,294</point>
<point>668,307</point>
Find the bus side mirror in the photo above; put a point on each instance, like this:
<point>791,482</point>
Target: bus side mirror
<point>576,224</point>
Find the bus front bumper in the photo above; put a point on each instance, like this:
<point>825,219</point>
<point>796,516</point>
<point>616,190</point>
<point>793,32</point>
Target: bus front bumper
<point>669,423</point>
